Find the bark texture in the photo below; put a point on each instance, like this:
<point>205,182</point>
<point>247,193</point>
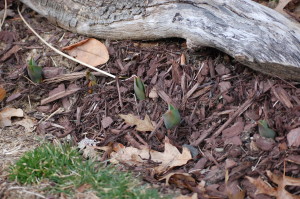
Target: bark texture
<point>254,35</point>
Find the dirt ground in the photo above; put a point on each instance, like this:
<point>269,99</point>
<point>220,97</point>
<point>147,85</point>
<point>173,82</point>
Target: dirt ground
<point>220,102</point>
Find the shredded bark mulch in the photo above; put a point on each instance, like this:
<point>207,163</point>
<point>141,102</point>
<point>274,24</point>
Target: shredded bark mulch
<point>220,102</point>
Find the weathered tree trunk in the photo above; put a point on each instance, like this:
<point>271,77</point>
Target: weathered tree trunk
<point>254,35</point>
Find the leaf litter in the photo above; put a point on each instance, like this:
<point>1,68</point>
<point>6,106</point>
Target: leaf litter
<point>278,192</point>
<point>171,157</point>
<point>141,125</point>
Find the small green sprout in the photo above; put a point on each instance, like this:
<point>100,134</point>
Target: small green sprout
<point>34,71</point>
<point>171,117</point>
<point>264,129</point>
<point>139,88</point>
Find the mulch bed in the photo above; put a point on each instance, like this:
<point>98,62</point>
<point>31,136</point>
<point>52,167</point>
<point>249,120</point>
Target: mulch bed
<point>219,100</point>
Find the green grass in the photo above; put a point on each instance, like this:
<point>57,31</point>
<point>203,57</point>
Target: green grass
<point>67,170</point>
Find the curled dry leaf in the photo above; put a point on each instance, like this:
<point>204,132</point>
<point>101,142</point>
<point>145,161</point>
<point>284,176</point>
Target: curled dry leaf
<point>7,113</point>
<point>90,51</point>
<point>141,125</point>
<point>166,160</point>
<point>279,192</point>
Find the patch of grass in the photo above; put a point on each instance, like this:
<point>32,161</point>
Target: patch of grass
<point>67,170</point>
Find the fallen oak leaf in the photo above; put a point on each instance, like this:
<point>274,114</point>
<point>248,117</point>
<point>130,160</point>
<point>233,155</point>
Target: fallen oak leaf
<point>141,125</point>
<point>279,192</point>
<point>90,51</point>
<point>262,186</point>
<point>170,158</point>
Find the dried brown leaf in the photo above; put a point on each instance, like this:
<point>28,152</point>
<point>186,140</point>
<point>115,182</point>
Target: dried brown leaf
<point>181,180</point>
<point>2,93</point>
<point>279,192</point>
<point>262,187</point>
<point>7,113</point>
<point>168,159</point>
<point>293,137</point>
<point>90,51</point>
<point>153,93</point>
<point>141,125</point>
<point>27,123</point>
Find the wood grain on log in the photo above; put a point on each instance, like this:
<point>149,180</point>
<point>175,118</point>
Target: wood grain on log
<point>254,35</point>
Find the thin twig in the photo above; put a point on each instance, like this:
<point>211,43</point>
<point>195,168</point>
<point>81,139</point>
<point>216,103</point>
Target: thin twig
<point>204,135</point>
<point>119,92</point>
<point>61,53</point>
<point>156,128</point>
<point>4,15</point>
<point>69,77</point>
<point>238,112</point>
<point>140,139</point>
<point>58,111</point>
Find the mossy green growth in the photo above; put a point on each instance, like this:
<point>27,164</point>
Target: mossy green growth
<point>34,71</point>
<point>171,117</point>
<point>139,88</point>
<point>67,170</point>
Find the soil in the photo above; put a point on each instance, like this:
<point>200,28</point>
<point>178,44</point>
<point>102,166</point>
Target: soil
<point>220,102</point>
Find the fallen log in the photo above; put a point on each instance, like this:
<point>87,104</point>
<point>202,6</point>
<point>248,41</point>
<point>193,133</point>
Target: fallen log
<point>254,35</point>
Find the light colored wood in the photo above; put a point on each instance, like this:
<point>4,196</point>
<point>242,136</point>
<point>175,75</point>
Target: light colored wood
<point>254,35</point>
